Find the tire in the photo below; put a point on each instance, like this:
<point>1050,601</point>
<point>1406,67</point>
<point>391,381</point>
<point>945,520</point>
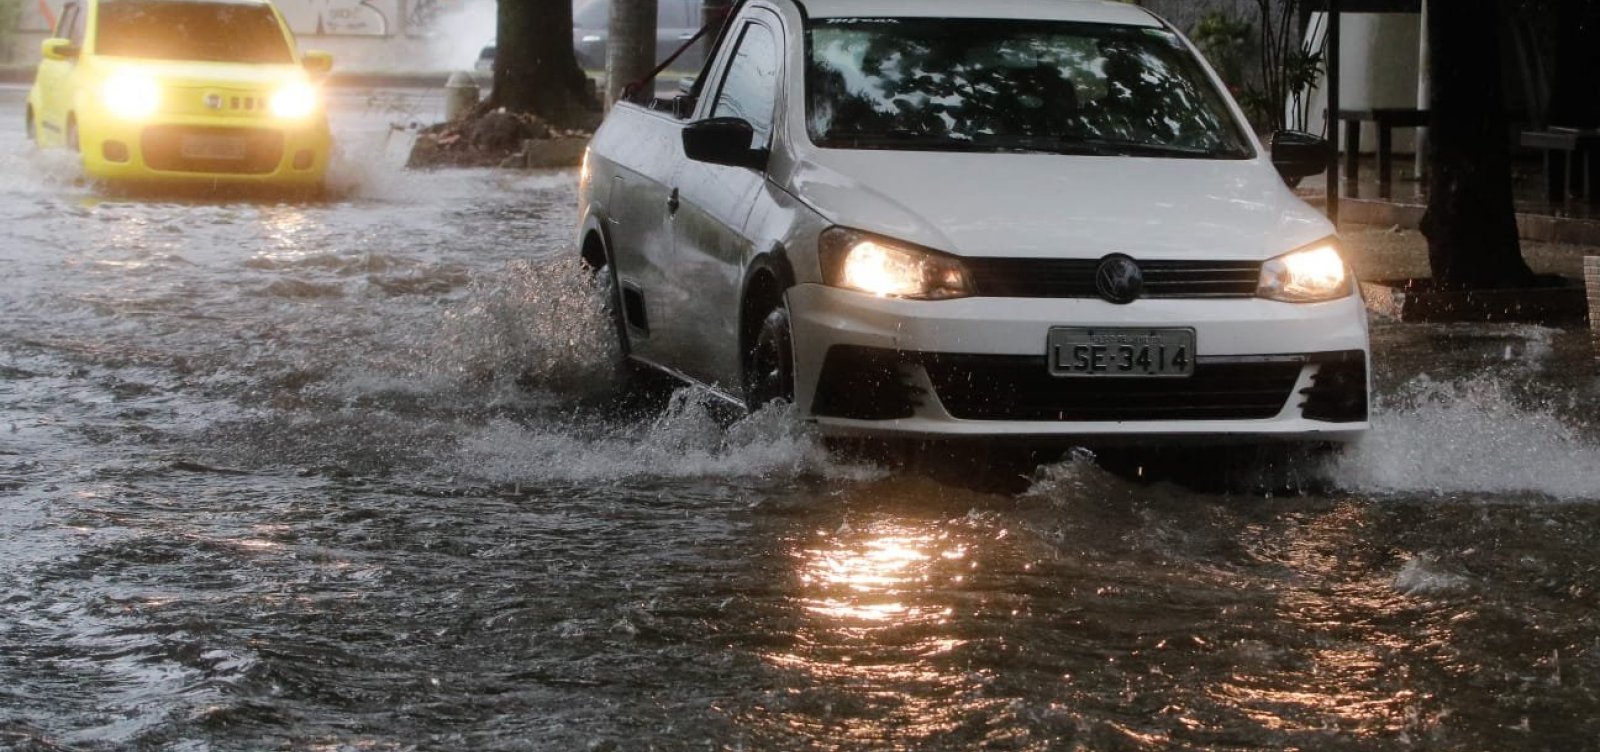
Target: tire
<point>627,375</point>
<point>72,134</point>
<point>31,127</point>
<point>769,363</point>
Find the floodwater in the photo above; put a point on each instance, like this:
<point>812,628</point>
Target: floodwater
<point>346,475</point>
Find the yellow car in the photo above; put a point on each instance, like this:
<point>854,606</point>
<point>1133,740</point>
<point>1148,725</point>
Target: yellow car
<point>182,91</point>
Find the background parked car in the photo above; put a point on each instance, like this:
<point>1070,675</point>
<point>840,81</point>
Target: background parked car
<point>676,22</point>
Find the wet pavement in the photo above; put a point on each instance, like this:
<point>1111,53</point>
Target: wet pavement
<point>349,475</point>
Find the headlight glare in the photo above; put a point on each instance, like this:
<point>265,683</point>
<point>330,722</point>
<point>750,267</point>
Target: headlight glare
<point>857,261</point>
<point>131,95</point>
<point>294,101</point>
<point>1313,274</point>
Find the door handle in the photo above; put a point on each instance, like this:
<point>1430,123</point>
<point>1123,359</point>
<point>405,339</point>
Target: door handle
<point>672,202</point>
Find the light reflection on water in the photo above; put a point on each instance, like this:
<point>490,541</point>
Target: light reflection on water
<point>385,529</point>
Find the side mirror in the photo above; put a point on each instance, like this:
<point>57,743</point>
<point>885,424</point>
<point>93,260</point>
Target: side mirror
<point>317,62</point>
<point>724,141</point>
<point>1300,155</point>
<point>56,48</point>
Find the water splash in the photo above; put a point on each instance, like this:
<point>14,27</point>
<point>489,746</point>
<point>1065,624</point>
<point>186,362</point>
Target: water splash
<point>1472,436</point>
<point>684,441</point>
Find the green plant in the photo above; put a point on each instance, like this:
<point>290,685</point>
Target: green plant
<point>1228,43</point>
<point>1288,69</point>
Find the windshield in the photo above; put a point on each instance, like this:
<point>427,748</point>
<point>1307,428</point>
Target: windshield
<point>183,30</point>
<point>1005,85</point>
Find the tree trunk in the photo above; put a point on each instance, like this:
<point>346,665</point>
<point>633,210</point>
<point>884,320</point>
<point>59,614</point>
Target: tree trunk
<point>1470,222</point>
<point>631,47</point>
<point>535,70</point>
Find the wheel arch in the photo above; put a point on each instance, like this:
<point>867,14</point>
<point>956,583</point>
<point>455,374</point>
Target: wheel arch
<point>594,244</point>
<point>767,277</point>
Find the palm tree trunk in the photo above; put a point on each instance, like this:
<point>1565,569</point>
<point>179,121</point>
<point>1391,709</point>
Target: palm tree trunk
<point>535,70</point>
<point>1470,222</point>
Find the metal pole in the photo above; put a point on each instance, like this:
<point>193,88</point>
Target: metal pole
<point>1332,79</point>
<point>1424,90</point>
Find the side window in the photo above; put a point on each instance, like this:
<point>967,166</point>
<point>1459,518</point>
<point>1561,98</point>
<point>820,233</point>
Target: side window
<point>64,24</point>
<point>75,33</point>
<point>750,87</point>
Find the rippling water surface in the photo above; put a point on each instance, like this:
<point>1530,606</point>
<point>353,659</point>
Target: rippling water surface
<point>347,475</point>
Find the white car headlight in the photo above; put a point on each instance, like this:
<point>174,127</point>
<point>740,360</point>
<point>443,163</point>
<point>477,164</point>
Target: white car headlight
<point>857,261</point>
<point>131,95</point>
<point>1312,274</point>
<point>294,101</point>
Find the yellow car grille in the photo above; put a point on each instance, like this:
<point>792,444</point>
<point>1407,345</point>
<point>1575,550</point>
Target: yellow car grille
<point>222,102</point>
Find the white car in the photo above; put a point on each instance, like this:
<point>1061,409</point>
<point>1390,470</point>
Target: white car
<point>1038,219</point>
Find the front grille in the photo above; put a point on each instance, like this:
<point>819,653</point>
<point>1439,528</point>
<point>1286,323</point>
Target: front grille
<point>1074,278</point>
<point>1338,391</point>
<point>162,147</point>
<point>865,383</point>
<point>990,387</point>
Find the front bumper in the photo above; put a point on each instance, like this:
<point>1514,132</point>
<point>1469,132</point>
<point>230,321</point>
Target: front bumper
<point>276,152</point>
<point>975,367</point>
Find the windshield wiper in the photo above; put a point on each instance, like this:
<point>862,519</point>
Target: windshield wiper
<point>1098,147</point>
<point>900,139</point>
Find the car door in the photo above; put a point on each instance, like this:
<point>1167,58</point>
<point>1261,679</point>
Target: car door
<point>55,77</point>
<point>709,241</point>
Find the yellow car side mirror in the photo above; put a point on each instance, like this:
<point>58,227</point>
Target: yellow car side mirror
<point>56,48</point>
<point>317,62</point>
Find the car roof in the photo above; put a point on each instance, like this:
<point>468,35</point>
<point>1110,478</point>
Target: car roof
<point>1092,11</point>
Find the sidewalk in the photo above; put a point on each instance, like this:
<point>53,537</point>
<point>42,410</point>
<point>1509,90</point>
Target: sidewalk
<point>1396,252</point>
<point>1574,221</point>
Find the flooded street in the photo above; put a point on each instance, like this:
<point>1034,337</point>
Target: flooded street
<point>348,475</point>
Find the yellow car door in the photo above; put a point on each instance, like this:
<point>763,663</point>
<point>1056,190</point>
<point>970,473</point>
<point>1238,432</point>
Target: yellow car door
<point>57,71</point>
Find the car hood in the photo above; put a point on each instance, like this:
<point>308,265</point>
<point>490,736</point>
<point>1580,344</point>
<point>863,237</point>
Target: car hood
<point>190,73</point>
<point>1047,205</point>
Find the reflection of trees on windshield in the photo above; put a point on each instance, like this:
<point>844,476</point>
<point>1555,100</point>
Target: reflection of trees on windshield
<point>939,83</point>
<point>177,30</point>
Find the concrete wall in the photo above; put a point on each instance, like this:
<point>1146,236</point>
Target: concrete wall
<point>1379,58</point>
<point>363,35</point>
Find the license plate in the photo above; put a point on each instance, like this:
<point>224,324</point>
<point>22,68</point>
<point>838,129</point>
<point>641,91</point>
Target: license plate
<point>213,147</point>
<point>1074,351</point>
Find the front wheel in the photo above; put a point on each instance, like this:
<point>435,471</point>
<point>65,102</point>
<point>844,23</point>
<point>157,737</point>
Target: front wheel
<point>769,365</point>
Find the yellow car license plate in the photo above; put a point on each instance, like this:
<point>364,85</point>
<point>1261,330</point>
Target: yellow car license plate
<point>213,147</point>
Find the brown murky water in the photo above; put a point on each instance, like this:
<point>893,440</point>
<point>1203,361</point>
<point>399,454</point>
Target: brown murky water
<point>344,476</point>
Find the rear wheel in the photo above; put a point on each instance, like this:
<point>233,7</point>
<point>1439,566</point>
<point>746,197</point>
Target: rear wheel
<point>769,363</point>
<point>32,128</point>
<point>605,279</point>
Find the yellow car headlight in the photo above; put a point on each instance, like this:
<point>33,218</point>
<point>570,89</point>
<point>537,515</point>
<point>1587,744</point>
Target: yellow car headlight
<point>131,95</point>
<point>1312,274</point>
<point>294,101</point>
<point>857,261</point>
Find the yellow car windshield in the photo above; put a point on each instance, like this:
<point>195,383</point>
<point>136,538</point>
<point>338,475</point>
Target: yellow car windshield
<point>187,30</point>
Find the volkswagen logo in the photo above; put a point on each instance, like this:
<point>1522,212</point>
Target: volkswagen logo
<point>1118,279</point>
<point>213,101</point>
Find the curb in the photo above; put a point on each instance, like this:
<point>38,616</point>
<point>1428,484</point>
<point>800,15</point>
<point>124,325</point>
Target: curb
<point>1543,228</point>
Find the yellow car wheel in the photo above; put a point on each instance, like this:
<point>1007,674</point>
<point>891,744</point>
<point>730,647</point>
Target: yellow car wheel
<point>32,126</point>
<point>72,132</point>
